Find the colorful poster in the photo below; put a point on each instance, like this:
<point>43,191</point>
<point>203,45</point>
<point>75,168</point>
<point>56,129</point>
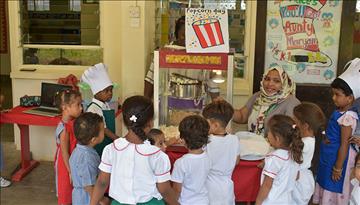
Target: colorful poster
<point>206,31</point>
<point>302,36</point>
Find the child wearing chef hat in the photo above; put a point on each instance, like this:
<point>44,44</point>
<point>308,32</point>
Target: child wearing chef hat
<point>98,79</point>
<point>336,155</point>
<point>354,74</point>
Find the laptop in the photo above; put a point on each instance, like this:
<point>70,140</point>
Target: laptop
<point>47,103</point>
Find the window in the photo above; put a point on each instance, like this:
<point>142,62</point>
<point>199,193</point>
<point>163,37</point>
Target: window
<point>72,24</point>
<point>38,5</point>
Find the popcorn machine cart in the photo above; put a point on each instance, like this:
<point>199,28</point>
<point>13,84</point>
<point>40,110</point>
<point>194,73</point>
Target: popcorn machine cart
<point>185,82</point>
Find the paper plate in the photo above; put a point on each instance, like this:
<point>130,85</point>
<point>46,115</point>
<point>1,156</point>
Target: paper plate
<point>252,146</point>
<point>252,157</point>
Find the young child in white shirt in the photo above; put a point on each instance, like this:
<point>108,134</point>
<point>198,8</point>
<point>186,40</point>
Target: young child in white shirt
<point>355,194</point>
<point>191,170</point>
<point>311,121</point>
<point>137,171</point>
<point>223,151</point>
<point>282,165</point>
<point>157,138</point>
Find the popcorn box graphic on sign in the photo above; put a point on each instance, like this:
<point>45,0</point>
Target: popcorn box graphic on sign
<point>208,31</point>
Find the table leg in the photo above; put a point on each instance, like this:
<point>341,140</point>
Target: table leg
<point>26,163</point>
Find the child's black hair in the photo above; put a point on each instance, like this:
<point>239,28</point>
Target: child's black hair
<point>87,126</point>
<point>339,83</point>
<point>137,111</point>
<point>153,133</point>
<point>221,111</point>
<point>65,97</point>
<point>194,130</point>
<point>285,128</point>
<point>179,23</point>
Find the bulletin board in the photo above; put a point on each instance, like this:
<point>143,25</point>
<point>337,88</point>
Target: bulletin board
<point>302,36</point>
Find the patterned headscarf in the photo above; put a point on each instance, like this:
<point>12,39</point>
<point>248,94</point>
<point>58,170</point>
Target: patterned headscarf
<point>287,87</point>
<point>265,103</point>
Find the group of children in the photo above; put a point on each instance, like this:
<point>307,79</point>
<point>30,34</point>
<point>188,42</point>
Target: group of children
<point>134,169</point>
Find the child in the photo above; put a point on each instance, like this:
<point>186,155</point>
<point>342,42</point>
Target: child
<point>69,103</point>
<point>157,138</point>
<point>3,182</point>
<point>139,172</point>
<point>311,122</point>
<point>355,194</point>
<point>101,86</point>
<point>223,151</point>
<point>192,169</point>
<point>84,160</point>
<point>282,165</point>
<point>355,139</point>
<point>336,158</point>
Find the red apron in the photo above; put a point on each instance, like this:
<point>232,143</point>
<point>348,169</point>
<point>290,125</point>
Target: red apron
<point>64,186</point>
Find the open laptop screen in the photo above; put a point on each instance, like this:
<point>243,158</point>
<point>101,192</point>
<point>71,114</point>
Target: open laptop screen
<point>48,93</point>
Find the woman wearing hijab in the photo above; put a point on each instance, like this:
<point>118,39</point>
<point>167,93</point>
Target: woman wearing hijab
<point>276,96</point>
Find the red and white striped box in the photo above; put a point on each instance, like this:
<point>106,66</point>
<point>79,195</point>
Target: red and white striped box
<point>208,31</point>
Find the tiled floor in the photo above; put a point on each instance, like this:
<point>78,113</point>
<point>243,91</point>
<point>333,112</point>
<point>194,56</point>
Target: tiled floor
<point>37,188</point>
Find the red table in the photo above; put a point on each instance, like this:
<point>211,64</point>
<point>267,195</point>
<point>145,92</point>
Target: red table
<point>246,175</point>
<point>23,120</point>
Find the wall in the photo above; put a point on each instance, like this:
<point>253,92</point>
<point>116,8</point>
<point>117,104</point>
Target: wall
<point>5,57</point>
<point>126,52</point>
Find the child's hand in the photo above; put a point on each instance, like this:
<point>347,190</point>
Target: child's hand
<point>336,175</point>
<point>355,139</point>
<point>261,164</point>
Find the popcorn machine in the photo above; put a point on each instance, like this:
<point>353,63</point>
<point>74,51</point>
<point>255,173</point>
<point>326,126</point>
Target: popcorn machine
<point>185,82</point>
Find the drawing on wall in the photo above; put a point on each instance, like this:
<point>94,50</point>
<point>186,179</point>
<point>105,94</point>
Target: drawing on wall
<point>303,37</point>
<point>206,31</point>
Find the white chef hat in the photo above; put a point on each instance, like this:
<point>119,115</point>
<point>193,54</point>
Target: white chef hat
<point>352,76</point>
<point>97,77</point>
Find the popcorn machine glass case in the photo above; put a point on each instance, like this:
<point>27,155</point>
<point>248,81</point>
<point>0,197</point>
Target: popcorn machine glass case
<point>185,82</point>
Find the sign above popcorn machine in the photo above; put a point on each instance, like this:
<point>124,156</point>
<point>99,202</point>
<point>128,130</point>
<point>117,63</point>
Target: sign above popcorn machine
<point>206,31</point>
<point>181,59</point>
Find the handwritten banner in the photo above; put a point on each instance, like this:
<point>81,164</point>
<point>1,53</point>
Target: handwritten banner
<point>181,59</point>
<point>302,36</point>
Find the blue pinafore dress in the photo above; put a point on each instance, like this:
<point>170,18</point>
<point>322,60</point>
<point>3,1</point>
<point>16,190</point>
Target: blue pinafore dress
<point>328,156</point>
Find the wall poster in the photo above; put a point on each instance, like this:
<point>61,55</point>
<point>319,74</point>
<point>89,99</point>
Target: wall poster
<point>206,30</point>
<point>302,36</point>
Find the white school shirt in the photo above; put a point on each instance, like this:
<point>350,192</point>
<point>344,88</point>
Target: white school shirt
<point>283,169</point>
<point>98,110</point>
<point>355,194</point>
<point>191,170</point>
<point>135,169</point>
<point>305,185</point>
<point>222,151</point>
